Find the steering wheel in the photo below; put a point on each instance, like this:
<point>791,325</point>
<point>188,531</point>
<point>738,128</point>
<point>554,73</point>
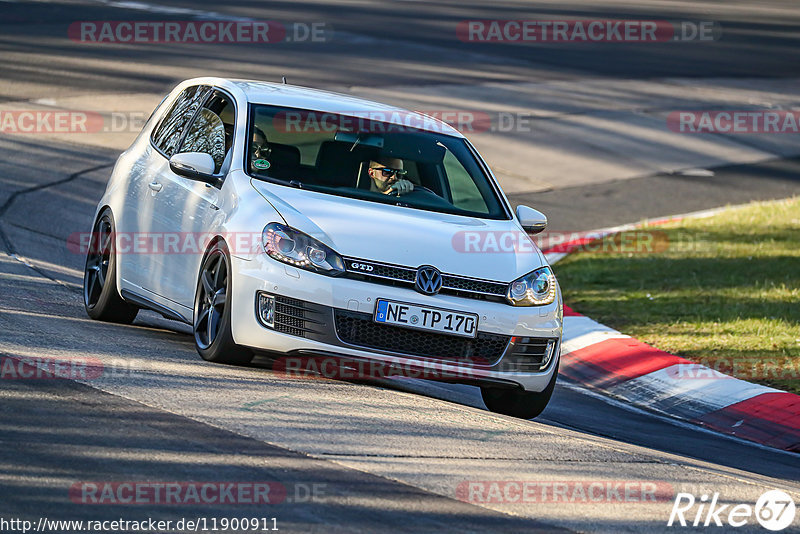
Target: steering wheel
<point>423,188</point>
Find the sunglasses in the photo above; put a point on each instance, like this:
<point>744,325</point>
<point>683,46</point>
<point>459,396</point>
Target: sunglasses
<point>388,172</point>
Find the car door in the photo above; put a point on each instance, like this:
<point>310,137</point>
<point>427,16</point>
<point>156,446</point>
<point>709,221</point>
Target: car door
<point>187,207</point>
<point>142,211</point>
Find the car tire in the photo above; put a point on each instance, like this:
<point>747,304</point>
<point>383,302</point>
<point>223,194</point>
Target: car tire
<point>100,295</point>
<point>212,310</point>
<point>517,402</point>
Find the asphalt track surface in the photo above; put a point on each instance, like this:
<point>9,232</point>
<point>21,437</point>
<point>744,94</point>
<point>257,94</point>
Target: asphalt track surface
<point>389,454</point>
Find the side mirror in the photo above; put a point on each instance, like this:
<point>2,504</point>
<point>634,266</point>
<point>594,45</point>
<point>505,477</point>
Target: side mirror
<point>532,221</point>
<point>194,165</point>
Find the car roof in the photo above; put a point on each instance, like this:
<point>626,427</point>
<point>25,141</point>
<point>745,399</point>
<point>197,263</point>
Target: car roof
<point>279,94</point>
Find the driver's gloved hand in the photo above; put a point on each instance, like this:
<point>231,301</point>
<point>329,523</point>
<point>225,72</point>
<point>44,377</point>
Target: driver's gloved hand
<point>400,187</point>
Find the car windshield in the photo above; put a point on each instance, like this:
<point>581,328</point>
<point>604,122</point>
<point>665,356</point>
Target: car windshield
<point>370,160</point>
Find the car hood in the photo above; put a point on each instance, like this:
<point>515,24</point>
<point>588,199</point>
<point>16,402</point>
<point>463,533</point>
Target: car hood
<point>406,236</point>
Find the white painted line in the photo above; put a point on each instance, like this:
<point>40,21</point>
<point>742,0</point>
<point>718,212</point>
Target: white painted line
<point>666,417</point>
<point>576,326</point>
<point>168,10</point>
<point>695,172</point>
<point>589,339</point>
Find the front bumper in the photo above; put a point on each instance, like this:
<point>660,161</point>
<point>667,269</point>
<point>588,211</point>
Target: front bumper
<point>336,319</point>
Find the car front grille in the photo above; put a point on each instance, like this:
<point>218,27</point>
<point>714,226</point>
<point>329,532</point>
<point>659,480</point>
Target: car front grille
<point>400,275</point>
<point>392,272</point>
<point>472,285</point>
<point>348,328</point>
<point>360,330</point>
<point>297,317</point>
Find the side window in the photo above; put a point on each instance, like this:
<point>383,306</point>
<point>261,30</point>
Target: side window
<point>212,129</point>
<point>169,132</point>
<point>412,172</point>
<point>466,194</point>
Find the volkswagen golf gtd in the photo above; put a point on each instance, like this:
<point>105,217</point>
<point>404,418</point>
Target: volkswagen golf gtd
<point>293,222</point>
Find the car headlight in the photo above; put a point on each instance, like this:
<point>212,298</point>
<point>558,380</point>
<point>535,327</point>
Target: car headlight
<point>293,247</point>
<point>534,289</point>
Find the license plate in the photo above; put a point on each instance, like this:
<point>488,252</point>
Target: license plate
<point>426,318</point>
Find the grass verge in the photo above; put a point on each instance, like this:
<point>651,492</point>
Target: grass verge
<point>723,291</point>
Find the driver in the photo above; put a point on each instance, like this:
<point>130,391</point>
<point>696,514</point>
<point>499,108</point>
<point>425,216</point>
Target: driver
<point>386,177</point>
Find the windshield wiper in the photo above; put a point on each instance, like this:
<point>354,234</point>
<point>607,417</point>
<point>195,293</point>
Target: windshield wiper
<point>358,140</point>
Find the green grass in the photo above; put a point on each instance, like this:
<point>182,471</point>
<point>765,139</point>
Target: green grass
<point>722,290</point>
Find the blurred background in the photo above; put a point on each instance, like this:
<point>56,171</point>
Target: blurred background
<point>571,123</point>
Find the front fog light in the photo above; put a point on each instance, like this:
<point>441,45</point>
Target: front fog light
<point>549,352</point>
<point>265,309</point>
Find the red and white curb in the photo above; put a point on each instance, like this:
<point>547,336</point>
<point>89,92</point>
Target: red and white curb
<point>606,360</point>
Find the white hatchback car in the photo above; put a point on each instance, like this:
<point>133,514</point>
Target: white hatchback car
<point>304,223</point>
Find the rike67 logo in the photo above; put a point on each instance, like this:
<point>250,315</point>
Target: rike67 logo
<point>774,510</point>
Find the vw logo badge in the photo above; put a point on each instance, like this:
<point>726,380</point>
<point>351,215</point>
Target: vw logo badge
<point>429,280</point>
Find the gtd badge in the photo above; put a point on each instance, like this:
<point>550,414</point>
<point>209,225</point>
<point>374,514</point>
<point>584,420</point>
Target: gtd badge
<point>429,280</point>
<point>363,267</point>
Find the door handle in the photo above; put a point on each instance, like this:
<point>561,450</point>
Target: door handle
<point>155,186</point>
